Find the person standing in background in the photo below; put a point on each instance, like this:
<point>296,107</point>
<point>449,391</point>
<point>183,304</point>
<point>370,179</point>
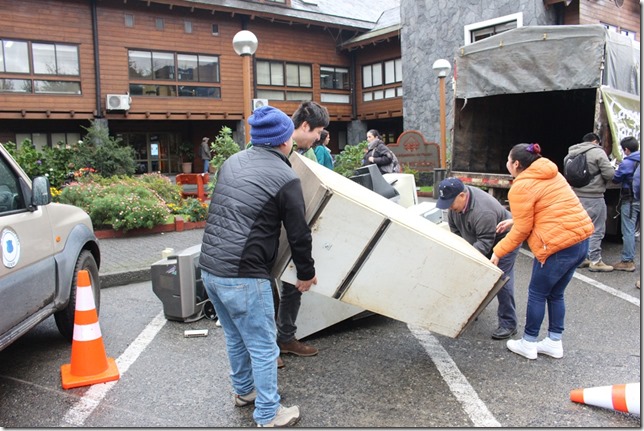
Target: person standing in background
<point>630,202</point>
<point>204,153</point>
<point>378,153</point>
<point>591,196</point>
<point>548,215</point>
<point>322,152</point>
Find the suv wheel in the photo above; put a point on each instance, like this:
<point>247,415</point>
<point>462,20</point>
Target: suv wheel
<point>65,317</point>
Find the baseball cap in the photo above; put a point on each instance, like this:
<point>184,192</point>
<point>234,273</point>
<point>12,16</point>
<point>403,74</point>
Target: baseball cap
<point>448,189</point>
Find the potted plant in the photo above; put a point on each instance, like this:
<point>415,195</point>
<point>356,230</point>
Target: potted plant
<point>187,154</point>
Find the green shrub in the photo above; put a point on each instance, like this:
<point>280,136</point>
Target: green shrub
<point>29,159</point>
<point>194,209</point>
<point>223,147</point>
<point>409,170</point>
<point>350,159</point>
<point>81,195</point>
<point>126,203</point>
<point>125,211</point>
<point>99,151</point>
<point>166,189</point>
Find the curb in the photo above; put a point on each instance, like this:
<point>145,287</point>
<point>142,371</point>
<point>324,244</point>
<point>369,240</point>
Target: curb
<point>125,277</point>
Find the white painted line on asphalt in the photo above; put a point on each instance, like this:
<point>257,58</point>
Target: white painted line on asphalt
<point>597,284</point>
<point>78,414</point>
<point>458,384</point>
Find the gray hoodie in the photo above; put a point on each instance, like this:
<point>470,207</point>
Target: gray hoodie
<point>599,166</point>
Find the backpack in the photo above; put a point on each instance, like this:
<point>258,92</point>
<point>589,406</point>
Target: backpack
<point>576,170</point>
<point>394,166</point>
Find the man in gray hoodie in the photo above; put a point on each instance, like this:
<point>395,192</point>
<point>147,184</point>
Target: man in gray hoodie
<point>591,196</point>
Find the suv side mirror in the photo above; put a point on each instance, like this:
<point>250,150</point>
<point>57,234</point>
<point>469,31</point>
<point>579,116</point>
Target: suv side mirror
<point>41,194</point>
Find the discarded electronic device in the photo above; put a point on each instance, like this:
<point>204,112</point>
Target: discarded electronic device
<point>176,281</point>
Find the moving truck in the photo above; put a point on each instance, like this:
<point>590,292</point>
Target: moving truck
<point>545,84</point>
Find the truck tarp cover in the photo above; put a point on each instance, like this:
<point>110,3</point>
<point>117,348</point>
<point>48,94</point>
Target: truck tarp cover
<point>547,58</point>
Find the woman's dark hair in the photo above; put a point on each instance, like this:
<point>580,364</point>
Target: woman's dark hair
<point>375,134</point>
<point>323,136</point>
<point>525,154</point>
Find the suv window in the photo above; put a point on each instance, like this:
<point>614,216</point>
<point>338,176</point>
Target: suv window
<point>11,198</point>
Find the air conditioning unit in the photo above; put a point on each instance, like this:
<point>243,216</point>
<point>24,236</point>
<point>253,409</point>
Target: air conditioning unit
<point>118,102</point>
<point>258,103</point>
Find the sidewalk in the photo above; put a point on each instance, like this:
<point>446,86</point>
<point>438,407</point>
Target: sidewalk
<point>128,260</point>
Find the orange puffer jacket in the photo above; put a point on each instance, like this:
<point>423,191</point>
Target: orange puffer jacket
<point>546,212</point>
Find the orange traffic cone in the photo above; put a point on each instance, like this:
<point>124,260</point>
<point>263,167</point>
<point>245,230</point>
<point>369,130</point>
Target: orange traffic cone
<point>623,398</point>
<point>89,363</point>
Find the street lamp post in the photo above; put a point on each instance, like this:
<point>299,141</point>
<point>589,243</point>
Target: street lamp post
<point>245,45</point>
<point>441,68</point>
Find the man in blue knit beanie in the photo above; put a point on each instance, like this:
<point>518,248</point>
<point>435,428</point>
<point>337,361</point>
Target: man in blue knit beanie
<point>256,192</point>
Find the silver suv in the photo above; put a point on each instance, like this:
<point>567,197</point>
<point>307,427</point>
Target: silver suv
<point>42,246</point>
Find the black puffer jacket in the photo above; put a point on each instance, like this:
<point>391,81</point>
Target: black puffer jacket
<point>382,156</point>
<point>256,191</point>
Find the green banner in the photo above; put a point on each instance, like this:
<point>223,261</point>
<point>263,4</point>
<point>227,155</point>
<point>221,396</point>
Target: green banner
<point>623,111</point>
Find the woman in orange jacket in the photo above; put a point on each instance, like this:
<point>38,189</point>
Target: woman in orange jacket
<point>548,214</point>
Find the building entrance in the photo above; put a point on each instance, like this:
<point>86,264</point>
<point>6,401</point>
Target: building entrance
<point>154,152</point>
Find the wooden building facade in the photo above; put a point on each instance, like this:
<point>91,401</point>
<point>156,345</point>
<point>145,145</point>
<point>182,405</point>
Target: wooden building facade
<point>163,72</point>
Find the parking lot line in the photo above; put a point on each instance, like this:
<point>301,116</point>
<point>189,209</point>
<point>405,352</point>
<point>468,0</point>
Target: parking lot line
<point>458,384</point>
<point>597,284</point>
<point>78,414</point>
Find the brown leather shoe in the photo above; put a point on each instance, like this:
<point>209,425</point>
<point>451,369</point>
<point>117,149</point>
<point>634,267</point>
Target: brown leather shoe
<point>280,363</point>
<point>297,348</point>
<point>628,266</point>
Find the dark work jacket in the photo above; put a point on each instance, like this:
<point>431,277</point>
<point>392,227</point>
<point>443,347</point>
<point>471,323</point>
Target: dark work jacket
<point>382,155</point>
<point>477,224</point>
<point>256,191</point>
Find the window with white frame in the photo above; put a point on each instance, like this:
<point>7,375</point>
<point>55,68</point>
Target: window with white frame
<point>336,81</point>
<point>182,75</point>
<point>47,68</point>
<point>285,79</point>
<point>48,140</point>
<point>483,29</point>
<point>382,80</point>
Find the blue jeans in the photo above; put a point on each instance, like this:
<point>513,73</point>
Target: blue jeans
<point>506,313</point>
<point>629,220</point>
<point>247,314</point>
<point>206,165</point>
<point>547,286</point>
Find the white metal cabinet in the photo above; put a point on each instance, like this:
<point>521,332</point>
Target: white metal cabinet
<point>377,255</point>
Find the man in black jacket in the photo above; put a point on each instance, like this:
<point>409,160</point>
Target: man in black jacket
<point>257,191</point>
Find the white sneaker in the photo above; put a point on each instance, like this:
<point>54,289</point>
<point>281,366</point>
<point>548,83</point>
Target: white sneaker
<point>550,348</point>
<point>285,417</point>
<point>524,348</point>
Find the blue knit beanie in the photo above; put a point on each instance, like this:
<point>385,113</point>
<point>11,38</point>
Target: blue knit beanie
<point>270,127</point>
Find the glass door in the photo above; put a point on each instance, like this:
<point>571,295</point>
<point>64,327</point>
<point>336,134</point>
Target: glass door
<point>154,152</point>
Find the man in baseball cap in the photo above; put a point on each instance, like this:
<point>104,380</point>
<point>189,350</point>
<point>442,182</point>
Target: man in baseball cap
<point>474,215</point>
<point>448,190</point>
